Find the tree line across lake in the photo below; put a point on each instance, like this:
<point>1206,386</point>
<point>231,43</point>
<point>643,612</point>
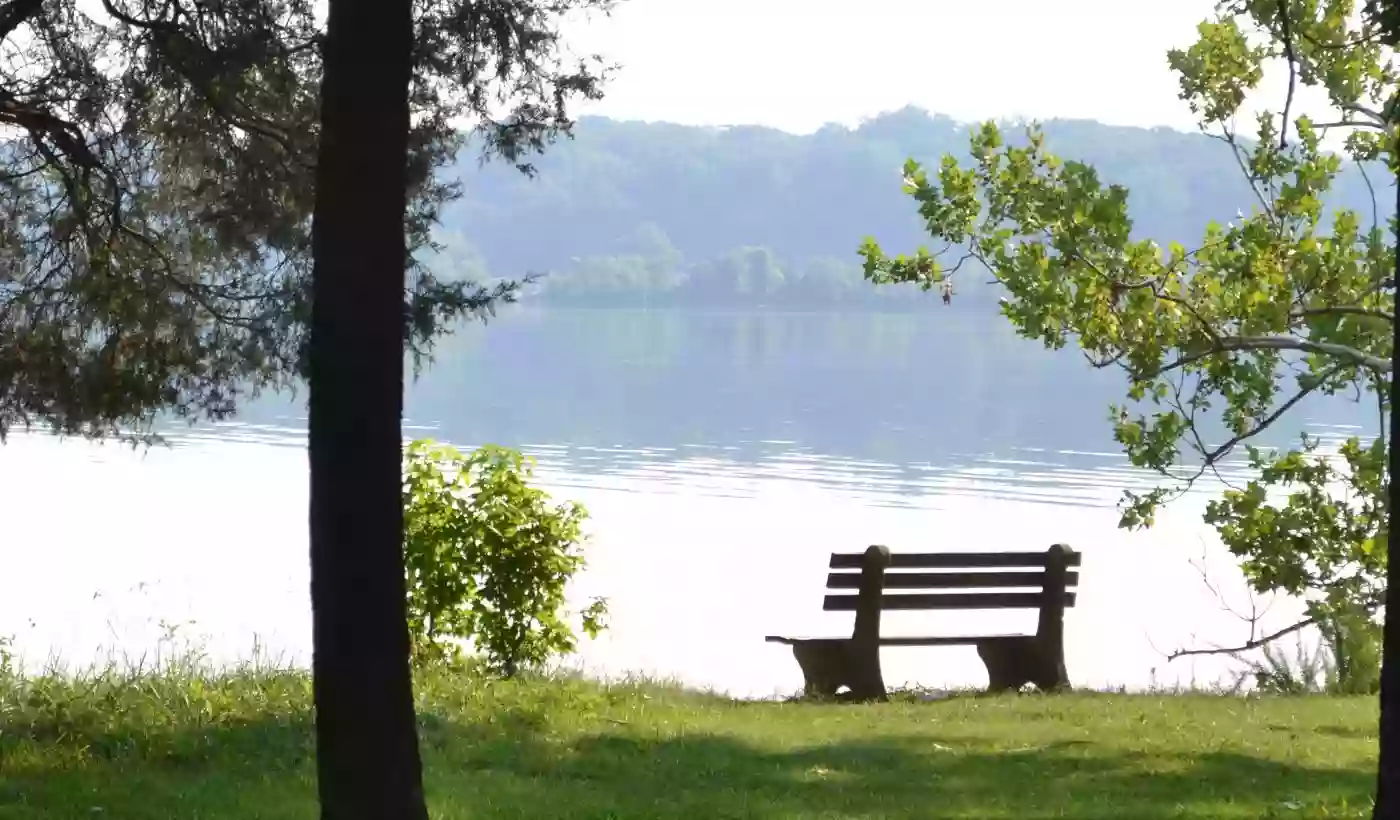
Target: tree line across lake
<point>659,214</point>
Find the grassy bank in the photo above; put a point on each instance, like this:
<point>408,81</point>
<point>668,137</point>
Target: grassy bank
<point>200,746</point>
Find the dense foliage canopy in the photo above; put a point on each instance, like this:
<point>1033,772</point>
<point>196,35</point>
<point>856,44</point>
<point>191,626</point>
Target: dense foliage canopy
<point>158,181</point>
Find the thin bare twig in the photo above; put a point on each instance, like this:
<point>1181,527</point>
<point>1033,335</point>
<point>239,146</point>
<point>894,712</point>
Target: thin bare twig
<point>1247,645</point>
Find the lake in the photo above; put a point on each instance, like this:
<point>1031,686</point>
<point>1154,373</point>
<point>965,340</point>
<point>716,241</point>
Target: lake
<point>722,456</point>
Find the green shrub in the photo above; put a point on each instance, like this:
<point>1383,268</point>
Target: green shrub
<point>488,557</point>
<point>1353,639</point>
<point>1346,659</point>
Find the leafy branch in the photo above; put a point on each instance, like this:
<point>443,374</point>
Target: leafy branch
<point>1287,293</point>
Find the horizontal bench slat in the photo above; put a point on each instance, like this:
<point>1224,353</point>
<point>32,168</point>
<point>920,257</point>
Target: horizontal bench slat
<point>949,580</point>
<point>956,600</point>
<point>957,640</point>
<point>952,560</point>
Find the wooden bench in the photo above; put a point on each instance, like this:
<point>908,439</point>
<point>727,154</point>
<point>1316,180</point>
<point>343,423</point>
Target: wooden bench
<point>1012,660</point>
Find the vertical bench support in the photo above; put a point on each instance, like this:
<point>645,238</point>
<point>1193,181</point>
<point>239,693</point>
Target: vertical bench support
<point>1050,631</point>
<point>854,662</point>
<point>865,678</point>
<point>1040,659</point>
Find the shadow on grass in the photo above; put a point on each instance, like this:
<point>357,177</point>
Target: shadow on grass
<point>1352,732</point>
<point>513,765</point>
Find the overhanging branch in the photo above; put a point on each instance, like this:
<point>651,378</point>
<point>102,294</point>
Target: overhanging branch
<point>1223,344</point>
<point>1375,313</point>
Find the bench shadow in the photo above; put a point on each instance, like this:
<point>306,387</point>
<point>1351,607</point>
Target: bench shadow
<point>514,764</point>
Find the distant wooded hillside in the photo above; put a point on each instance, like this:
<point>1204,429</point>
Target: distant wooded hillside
<point>655,213</point>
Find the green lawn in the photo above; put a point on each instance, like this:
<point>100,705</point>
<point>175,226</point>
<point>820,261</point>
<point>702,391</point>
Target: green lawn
<point>202,747</point>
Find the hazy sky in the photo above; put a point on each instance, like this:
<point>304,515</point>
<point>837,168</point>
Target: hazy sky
<point>797,64</point>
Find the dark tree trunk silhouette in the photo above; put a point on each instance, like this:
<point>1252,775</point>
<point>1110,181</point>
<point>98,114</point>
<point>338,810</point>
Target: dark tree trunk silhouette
<point>1388,770</point>
<point>368,765</point>
<point>1385,15</point>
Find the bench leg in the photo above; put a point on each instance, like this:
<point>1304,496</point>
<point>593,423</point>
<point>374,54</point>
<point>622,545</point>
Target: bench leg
<point>864,676</point>
<point>1014,662</point>
<point>823,666</point>
<point>827,665</point>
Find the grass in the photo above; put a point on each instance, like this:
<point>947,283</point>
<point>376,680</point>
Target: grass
<point>179,741</point>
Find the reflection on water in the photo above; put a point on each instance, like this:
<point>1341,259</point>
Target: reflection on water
<point>721,458</point>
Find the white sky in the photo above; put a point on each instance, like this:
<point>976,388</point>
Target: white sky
<point>797,64</point>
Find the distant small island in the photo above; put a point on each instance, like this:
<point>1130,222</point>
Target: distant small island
<point>747,277</point>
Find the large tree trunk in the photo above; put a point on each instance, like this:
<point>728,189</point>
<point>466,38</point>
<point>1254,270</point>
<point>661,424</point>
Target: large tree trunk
<point>366,741</point>
<point>1388,779</point>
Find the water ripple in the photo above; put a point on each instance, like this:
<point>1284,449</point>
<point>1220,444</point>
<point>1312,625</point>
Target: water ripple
<point>741,469</point>
<point>736,470</point>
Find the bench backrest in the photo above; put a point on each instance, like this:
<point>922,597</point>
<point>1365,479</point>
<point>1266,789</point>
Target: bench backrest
<point>984,571</point>
<point>1043,579</point>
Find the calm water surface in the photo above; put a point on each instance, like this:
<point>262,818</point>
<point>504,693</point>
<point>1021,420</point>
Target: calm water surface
<point>722,457</point>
